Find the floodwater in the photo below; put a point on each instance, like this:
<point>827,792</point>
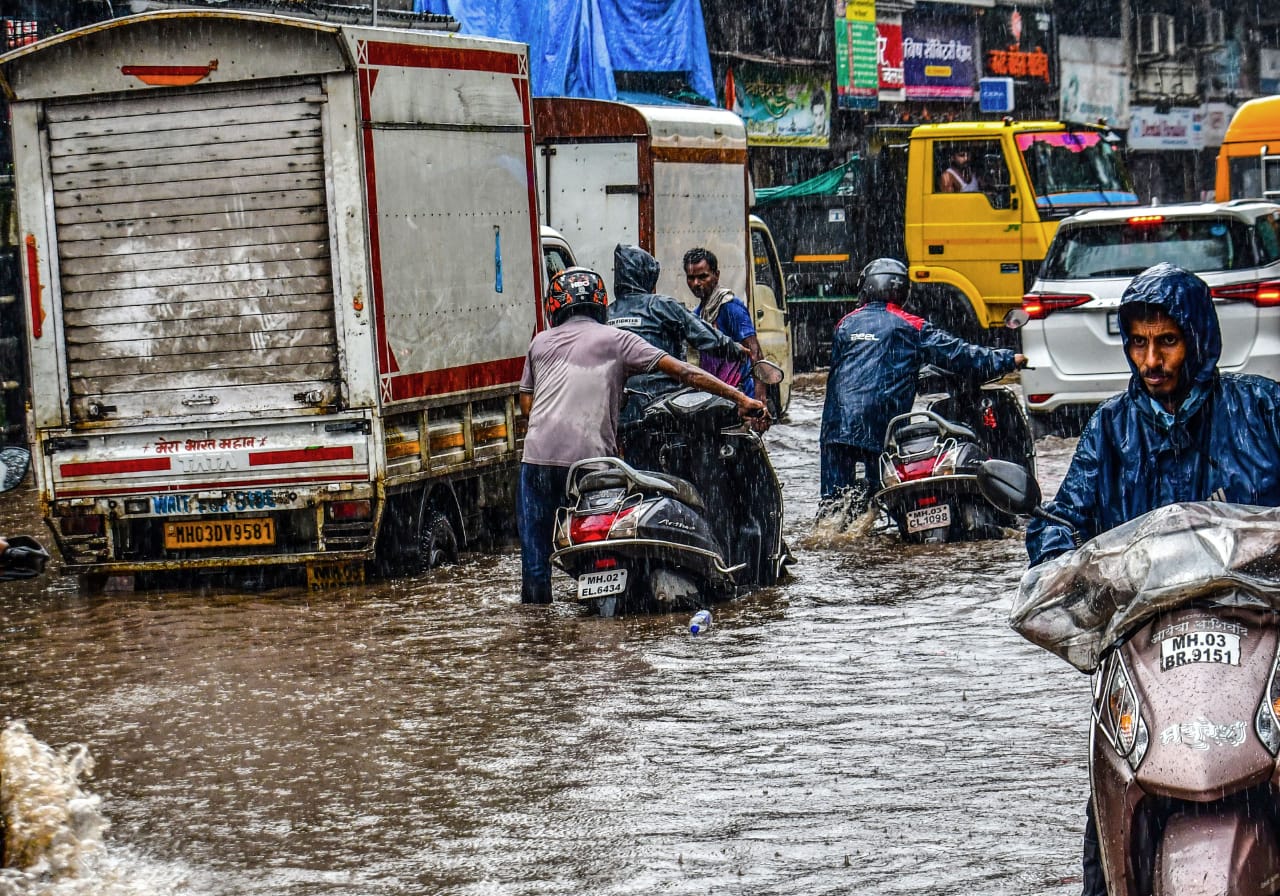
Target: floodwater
<point>872,726</point>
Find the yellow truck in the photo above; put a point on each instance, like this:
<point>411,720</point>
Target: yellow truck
<point>1249,160</point>
<point>973,239</point>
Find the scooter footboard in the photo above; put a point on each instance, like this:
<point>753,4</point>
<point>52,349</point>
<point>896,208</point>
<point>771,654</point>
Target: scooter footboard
<point>1226,853</point>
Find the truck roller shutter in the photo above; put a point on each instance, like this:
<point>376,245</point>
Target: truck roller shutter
<point>194,252</point>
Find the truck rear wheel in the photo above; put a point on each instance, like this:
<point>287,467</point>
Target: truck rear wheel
<point>437,542</point>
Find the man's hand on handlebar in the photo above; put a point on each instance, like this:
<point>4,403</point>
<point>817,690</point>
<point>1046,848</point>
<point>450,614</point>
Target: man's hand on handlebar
<point>754,413</point>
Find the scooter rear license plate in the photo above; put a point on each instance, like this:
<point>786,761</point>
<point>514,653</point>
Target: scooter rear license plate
<point>602,584</point>
<point>929,518</point>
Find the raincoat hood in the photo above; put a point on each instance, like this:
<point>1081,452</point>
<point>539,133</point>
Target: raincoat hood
<point>1185,298</point>
<point>634,271</point>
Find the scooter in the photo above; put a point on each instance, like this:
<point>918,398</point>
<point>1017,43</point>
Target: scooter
<point>932,454</point>
<point>693,515</point>
<point>1177,616</point>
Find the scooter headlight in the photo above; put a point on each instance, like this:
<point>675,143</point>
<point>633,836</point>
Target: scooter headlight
<point>1267,720</point>
<point>1123,717</point>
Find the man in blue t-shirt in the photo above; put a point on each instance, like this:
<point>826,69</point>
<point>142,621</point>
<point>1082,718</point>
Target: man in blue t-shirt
<point>727,313</point>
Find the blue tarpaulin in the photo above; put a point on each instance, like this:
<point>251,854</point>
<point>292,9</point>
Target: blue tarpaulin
<point>575,46</point>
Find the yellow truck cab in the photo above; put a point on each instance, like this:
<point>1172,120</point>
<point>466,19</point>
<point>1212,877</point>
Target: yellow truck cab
<point>975,237</point>
<point>1249,160</point>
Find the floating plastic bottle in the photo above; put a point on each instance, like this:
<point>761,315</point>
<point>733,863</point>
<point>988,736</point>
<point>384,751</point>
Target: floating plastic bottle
<point>700,622</point>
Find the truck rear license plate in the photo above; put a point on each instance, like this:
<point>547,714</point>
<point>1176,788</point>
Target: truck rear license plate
<point>602,584</point>
<point>929,518</point>
<point>219,533</point>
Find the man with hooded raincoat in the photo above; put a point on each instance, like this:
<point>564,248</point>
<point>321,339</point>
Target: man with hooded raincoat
<point>1183,434</point>
<point>1181,431</point>
<point>659,320</point>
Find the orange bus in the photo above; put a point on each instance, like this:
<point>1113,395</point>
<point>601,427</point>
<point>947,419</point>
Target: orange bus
<point>1249,160</point>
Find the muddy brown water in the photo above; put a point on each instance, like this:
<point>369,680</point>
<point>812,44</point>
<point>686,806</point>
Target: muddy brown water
<point>872,726</point>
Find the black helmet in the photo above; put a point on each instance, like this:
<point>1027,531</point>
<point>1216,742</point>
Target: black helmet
<point>884,280</point>
<point>574,290</point>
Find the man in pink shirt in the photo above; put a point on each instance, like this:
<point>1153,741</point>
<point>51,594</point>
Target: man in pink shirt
<point>571,393</point>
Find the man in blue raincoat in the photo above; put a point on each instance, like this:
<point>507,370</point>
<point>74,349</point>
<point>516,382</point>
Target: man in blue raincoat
<point>876,354</point>
<point>1182,431</point>
<point>659,320</point>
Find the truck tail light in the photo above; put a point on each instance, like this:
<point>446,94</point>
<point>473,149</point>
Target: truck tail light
<point>349,511</point>
<point>1262,294</point>
<point>1040,305</point>
<point>81,525</point>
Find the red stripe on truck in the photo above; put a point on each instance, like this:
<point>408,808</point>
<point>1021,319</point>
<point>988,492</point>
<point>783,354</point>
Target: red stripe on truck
<point>106,467</point>
<point>300,456</point>
<point>407,56</point>
<point>456,379</point>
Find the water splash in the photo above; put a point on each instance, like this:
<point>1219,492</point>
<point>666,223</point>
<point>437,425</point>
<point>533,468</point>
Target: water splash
<point>53,829</point>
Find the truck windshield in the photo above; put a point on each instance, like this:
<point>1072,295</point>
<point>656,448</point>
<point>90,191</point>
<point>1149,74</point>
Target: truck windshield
<point>1070,170</point>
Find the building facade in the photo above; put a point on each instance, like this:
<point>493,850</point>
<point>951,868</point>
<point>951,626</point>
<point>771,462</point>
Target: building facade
<point>814,78</point>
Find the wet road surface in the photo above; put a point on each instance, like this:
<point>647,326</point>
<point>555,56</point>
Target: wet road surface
<point>872,726</point>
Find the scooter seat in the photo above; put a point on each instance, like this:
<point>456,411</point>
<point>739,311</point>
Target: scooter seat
<point>646,481</point>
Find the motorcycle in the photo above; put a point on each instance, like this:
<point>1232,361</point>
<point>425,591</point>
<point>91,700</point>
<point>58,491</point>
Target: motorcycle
<point>24,557</point>
<point>1176,614</point>
<point>928,470</point>
<point>691,516</point>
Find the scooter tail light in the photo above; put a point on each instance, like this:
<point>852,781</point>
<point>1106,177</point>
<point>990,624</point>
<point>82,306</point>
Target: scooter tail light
<point>1266,721</point>
<point>1124,716</point>
<point>588,527</point>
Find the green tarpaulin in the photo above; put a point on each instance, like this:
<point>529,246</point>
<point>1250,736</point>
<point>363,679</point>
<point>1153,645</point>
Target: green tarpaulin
<point>843,181</point>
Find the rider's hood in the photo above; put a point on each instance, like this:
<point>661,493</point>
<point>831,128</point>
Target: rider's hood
<point>634,271</point>
<point>1185,298</point>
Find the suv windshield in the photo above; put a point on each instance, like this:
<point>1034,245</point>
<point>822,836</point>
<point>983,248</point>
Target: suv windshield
<point>1127,248</point>
<point>1073,169</point>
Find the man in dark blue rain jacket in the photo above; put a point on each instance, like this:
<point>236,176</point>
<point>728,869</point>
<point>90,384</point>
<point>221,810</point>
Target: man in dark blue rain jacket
<point>876,355</point>
<point>1182,431</point>
<point>659,320</point>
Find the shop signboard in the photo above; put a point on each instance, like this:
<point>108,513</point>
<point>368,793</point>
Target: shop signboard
<point>995,94</point>
<point>938,57</point>
<point>889,51</point>
<point>1179,128</point>
<point>1269,70</point>
<point>857,81</point>
<point>1094,83</point>
<point>783,106</point>
<point>1016,44</point>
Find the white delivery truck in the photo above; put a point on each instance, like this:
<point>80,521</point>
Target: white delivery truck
<point>667,179</point>
<point>281,276</point>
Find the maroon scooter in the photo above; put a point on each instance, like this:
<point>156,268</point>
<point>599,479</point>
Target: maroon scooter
<point>1177,616</point>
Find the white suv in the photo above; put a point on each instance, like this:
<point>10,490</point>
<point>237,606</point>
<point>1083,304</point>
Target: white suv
<point>1072,341</point>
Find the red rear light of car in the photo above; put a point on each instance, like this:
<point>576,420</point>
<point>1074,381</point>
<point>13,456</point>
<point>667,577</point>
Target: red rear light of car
<point>1039,397</point>
<point>1145,220</point>
<point>1040,305</point>
<point>1263,294</point>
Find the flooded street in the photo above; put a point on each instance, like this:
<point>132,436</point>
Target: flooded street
<point>871,726</point>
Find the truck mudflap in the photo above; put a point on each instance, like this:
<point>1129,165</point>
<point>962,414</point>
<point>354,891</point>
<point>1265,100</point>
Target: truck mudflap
<point>278,493</point>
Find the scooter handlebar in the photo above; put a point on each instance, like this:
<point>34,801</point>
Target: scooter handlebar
<point>23,559</point>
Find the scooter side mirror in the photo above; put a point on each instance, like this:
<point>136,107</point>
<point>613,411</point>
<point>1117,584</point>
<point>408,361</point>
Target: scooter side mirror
<point>1016,319</point>
<point>1009,487</point>
<point>767,372</point>
<point>14,463</point>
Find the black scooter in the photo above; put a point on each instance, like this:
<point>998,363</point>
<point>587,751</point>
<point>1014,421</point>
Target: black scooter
<point>691,516</point>
<point>932,454</point>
